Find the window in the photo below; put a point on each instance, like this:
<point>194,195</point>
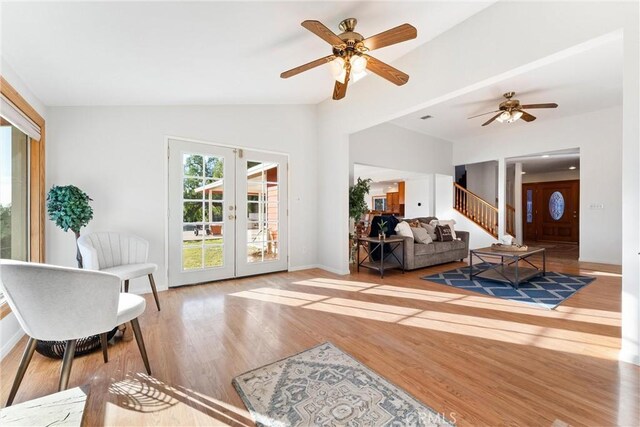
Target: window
<point>14,187</point>
<point>22,194</point>
<point>379,203</point>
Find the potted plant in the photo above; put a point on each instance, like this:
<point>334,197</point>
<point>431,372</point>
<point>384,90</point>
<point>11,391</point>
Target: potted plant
<point>383,230</point>
<point>69,208</point>
<point>357,203</point>
<point>357,208</point>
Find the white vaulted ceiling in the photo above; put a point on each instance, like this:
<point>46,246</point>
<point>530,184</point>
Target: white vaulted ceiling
<point>177,53</point>
<point>586,81</point>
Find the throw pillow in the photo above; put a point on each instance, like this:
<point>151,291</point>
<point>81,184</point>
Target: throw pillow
<point>444,233</point>
<point>403,229</point>
<point>449,222</point>
<point>430,229</point>
<point>414,223</point>
<point>420,235</point>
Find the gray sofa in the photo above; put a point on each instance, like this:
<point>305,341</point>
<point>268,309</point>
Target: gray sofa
<point>419,255</point>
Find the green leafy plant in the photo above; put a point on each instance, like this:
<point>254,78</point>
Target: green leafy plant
<point>383,227</point>
<point>69,208</point>
<point>357,203</point>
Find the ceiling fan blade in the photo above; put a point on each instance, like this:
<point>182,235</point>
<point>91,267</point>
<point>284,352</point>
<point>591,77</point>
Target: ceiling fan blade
<point>527,117</point>
<point>340,89</point>
<point>483,114</point>
<point>395,35</point>
<point>320,30</point>
<point>492,119</point>
<point>307,66</point>
<point>548,105</point>
<point>386,71</point>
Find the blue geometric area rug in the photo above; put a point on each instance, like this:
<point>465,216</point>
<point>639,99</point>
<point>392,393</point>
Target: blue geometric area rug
<point>324,386</point>
<point>544,291</point>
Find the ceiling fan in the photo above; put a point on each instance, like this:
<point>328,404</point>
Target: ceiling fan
<point>349,58</point>
<point>511,110</point>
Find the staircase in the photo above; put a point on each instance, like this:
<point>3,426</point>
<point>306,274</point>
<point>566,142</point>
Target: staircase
<point>478,210</point>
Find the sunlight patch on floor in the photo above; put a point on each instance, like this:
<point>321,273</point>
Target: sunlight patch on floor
<point>341,285</point>
<point>600,317</point>
<point>137,399</point>
<point>474,326</point>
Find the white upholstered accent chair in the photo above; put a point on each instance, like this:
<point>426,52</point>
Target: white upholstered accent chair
<point>65,304</point>
<point>124,255</point>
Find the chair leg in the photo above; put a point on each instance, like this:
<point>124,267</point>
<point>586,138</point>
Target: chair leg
<point>143,351</point>
<point>126,285</point>
<point>153,289</point>
<point>103,343</point>
<point>67,361</point>
<point>26,358</point>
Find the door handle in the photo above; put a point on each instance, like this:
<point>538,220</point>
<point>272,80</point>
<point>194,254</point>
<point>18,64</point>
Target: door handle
<point>232,217</point>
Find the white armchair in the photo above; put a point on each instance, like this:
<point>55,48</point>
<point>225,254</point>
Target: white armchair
<point>124,255</point>
<point>64,304</point>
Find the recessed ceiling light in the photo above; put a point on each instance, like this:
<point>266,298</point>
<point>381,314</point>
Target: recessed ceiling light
<point>544,156</point>
<point>523,172</point>
<point>426,117</point>
<point>572,168</point>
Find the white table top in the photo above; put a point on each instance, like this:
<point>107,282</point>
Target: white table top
<point>59,409</point>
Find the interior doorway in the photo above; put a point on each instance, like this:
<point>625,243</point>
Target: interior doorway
<point>543,201</point>
<point>227,212</point>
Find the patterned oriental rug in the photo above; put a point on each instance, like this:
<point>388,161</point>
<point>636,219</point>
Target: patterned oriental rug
<point>548,291</point>
<point>324,386</point>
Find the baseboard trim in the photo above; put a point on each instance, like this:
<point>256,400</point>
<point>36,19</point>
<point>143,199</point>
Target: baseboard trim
<point>304,267</point>
<point>629,357</point>
<point>592,261</point>
<point>334,270</point>
<point>8,346</point>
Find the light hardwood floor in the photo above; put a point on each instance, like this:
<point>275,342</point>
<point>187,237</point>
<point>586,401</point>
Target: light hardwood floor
<point>480,360</point>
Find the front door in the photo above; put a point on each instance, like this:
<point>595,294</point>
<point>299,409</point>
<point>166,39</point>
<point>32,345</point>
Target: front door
<point>227,212</point>
<point>551,211</point>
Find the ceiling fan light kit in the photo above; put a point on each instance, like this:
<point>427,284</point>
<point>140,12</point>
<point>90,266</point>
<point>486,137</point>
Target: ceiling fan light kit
<point>349,60</point>
<point>511,110</point>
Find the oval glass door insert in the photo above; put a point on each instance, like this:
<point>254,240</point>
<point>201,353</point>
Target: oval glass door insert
<point>556,205</point>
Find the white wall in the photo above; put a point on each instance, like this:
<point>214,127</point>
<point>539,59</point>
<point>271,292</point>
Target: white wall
<point>10,330</point>
<point>482,179</point>
<point>600,169</point>
<point>418,191</point>
<point>393,147</point>
<point>117,155</point>
<point>567,175</point>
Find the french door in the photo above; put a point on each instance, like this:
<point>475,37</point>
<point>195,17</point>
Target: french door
<point>227,212</point>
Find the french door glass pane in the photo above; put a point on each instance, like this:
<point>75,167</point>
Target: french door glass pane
<point>202,211</point>
<point>262,211</point>
<point>14,200</point>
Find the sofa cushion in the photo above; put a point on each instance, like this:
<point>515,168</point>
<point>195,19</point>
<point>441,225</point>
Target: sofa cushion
<point>453,245</point>
<point>422,249</point>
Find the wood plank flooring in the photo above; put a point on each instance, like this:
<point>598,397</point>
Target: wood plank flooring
<point>479,360</point>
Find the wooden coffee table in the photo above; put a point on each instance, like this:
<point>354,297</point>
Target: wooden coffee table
<point>509,269</point>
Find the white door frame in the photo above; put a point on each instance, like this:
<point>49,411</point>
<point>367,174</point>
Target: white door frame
<point>165,183</point>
